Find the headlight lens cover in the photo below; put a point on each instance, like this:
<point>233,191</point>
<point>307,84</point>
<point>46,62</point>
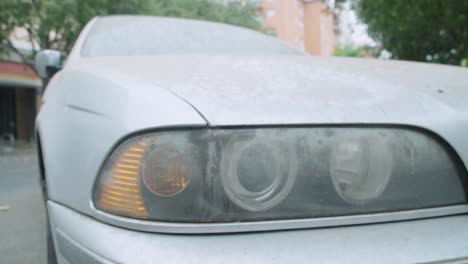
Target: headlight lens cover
<point>258,174</point>
<point>251,174</point>
<point>360,168</point>
<point>165,171</point>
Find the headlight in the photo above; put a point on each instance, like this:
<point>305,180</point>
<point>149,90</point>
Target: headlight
<point>258,173</point>
<point>165,171</point>
<point>360,168</point>
<point>227,175</point>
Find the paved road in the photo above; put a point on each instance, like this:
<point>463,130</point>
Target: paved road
<point>22,226</point>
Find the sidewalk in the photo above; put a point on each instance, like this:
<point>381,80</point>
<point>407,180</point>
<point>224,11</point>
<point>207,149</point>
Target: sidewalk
<point>17,154</point>
<point>22,214</point>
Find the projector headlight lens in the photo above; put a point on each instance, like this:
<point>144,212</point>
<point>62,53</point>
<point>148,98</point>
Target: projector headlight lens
<point>360,168</point>
<point>258,174</point>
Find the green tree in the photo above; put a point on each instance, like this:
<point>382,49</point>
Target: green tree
<point>349,51</point>
<point>55,24</point>
<point>420,30</point>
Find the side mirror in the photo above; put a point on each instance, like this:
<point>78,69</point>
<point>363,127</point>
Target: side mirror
<point>48,62</point>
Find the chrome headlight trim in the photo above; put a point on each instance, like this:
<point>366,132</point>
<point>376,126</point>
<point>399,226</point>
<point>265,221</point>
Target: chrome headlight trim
<point>275,225</point>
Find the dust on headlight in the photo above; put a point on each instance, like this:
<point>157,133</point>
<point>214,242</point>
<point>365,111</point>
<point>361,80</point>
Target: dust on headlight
<point>251,174</point>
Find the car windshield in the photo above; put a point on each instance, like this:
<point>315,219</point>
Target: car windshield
<point>134,35</point>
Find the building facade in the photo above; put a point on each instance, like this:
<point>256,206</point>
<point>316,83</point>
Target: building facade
<point>20,90</point>
<point>306,24</point>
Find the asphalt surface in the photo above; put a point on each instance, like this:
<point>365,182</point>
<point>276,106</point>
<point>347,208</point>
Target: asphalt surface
<point>22,215</point>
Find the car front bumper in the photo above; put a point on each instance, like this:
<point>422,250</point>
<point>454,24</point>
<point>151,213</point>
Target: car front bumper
<point>82,239</point>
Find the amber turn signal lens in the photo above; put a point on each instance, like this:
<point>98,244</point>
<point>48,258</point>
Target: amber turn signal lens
<point>165,171</point>
<point>120,191</point>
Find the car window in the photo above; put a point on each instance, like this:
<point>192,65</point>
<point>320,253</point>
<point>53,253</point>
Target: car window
<point>131,36</point>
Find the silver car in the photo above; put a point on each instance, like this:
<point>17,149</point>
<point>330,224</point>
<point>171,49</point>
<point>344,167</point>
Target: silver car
<point>166,140</point>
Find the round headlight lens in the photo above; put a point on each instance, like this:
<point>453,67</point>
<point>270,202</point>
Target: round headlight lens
<point>165,171</point>
<point>258,175</point>
<point>361,169</point>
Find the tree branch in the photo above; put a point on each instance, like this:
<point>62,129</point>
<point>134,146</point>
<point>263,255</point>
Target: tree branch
<point>36,8</point>
<point>31,39</point>
<point>14,49</point>
<point>40,17</point>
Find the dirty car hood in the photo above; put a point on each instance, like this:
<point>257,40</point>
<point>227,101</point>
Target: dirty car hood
<point>233,90</point>
<point>297,89</point>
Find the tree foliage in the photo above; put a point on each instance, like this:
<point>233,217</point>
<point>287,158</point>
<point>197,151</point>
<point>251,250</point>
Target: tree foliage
<point>420,30</point>
<point>351,51</point>
<point>55,24</point>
